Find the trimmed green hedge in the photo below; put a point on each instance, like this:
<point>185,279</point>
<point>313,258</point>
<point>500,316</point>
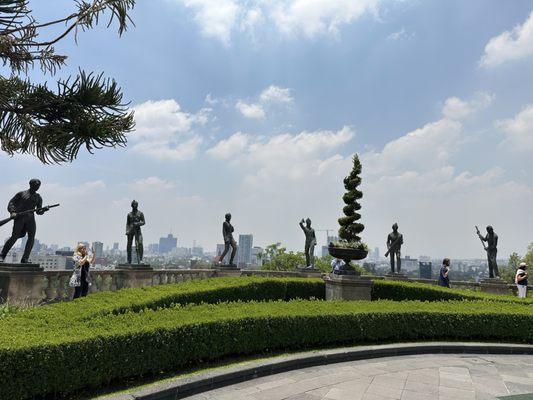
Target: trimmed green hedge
<point>52,358</point>
<point>214,290</point>
<point>399,291</point>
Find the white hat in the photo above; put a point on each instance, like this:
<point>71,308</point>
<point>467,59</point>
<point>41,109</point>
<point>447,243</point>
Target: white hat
<point>523,264</point>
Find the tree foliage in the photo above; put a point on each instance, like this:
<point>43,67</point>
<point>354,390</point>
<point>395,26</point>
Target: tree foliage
<point>349,227</point>
<point>82,111</point>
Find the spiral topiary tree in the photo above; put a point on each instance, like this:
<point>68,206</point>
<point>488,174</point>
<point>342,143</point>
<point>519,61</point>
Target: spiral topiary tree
<point>350,228</point>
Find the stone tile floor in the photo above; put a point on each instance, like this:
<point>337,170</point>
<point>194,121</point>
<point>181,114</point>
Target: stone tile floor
<point>431,377</point>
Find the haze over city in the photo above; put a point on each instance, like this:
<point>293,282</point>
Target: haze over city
<point>256,108</point>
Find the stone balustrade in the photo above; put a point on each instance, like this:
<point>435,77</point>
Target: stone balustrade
<point>50,286</point>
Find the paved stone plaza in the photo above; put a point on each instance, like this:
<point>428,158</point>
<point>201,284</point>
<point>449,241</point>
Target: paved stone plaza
<point>442,377</point>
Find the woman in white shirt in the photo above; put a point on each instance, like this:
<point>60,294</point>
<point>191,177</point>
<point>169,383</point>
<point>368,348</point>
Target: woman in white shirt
<point>521,280</point>
<point>81,277</point>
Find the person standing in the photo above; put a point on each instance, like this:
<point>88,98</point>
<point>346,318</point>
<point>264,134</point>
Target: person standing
<point>521,280</point>
<point>24,223</point>
<point>444,274</point>
<point>81,277</point>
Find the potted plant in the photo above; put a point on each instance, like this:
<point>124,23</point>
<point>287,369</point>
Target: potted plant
<point>350,247</point>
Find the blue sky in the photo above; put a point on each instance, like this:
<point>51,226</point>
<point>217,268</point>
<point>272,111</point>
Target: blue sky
<point>256,107</point>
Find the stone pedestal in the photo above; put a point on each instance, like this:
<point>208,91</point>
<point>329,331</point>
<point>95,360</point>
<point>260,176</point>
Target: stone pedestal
<point>309,271</point>
<point>227,267</point>
<point>396,276</point>
<point>21,283</point>
<point>348,287</point>
<point>135,267</point>
<point>495,286</point>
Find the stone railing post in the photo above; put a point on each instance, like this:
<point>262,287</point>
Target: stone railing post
<point>21,283</point>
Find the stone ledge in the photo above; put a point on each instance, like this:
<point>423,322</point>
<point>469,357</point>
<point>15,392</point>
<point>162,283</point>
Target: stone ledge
<point>202,382</point>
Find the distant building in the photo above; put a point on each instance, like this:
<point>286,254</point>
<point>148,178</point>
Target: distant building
<point>245,250</point>
<point>375,254</point>
<point>115,246</point>
<point>98,248</point>
<point>325,251</point>
<point>424,269</point>
<point>409,264</point>
<point>153,248</point>
<point>256,256</point>
<point>61,260</point>
<point>183,252</point>
<point>166,245</point>
<point>197,251</point>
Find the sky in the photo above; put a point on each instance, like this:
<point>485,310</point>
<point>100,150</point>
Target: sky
<point>256,108</point>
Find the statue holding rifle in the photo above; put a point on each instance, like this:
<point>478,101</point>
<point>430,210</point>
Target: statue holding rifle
<point>22,209</point>
<point>491,248</point>
<point>394,246</point>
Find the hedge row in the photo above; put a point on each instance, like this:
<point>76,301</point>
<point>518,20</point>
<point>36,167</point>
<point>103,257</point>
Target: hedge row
<point>399,291</point>
<point>50,359</point>
<point>210,291</point>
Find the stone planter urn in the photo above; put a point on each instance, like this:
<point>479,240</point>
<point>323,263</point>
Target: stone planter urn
<point>347,255</point>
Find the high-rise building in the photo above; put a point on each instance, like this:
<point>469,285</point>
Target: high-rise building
<point>166,245</point>
<point>256,256</point>
<point>245,250</point>
<point>115,246</point>
<point>153,248</point>
<point>98,248</point>
<point>424,269</point>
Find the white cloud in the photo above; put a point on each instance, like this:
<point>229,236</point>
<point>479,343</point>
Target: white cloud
<point>164,131</point>
<point>455,108</point>
<point>151,184</point>
<point>519,130</point>
<point>218,19</point>
<point>422,149</point>
<point>253,111</point>
<point>276,94</point>
<point>509,45</point>
<point>163,150</point>
<point>288,155</point>
<point>310,18</point>
<point>230,147</point>
<point>401,34</point>
<point>268,98</point>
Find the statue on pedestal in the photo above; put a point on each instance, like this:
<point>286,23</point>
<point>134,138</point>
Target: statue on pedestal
<point>394,246</point>
<point>22,208</point>
<point>134,222</point>
<point>310,242</point>
<point>492,243</point>
<point>227,233</point>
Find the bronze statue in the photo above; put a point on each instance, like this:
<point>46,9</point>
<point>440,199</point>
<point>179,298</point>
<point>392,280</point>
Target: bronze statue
<point>492,243</point>
<point>394,246</point>
<point>25,221</point>
<point>310,242</point>
<point>134,222</point>
<point>227,233</point>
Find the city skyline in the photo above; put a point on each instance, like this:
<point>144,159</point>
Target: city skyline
<point>263,119</point>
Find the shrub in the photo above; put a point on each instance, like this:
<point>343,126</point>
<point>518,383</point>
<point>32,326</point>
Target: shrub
<point>214,290</point>
<point>47,357</point>
<point>399,291</point>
